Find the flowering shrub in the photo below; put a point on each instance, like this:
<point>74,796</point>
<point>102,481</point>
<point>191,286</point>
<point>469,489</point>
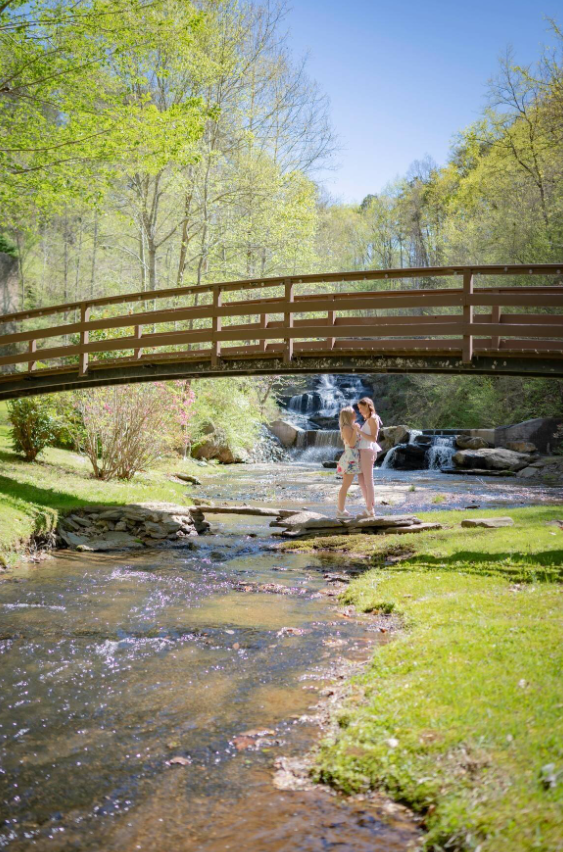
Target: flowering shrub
<point>33,426</point>
<point>123,429</point>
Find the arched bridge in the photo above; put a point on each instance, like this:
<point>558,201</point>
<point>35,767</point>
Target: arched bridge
<point>486,319</point>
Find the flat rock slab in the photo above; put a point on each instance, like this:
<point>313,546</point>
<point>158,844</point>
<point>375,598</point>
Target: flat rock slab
<point>477,471</point>
<point>488,523</point>
<point>233,510</point>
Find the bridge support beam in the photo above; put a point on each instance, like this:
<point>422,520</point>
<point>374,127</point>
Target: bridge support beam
<point>288,322</point>
<point>84,339</point>
<point>216,323</point>
<point>467,349</point>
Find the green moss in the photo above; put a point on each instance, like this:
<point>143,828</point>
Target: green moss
<point>465,707</point>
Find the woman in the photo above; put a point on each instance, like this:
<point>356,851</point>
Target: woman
<point>368,447</point>
<point>349,464</point>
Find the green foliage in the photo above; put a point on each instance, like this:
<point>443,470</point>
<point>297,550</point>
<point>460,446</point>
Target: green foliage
<point>230,407</point>
<point>7,246</point>
<point>33,426</point>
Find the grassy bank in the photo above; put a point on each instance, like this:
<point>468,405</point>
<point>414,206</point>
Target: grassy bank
<point>462,715</point>
<point>32,495</point>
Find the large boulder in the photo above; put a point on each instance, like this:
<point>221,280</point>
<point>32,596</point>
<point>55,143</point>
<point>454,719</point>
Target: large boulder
<point>286,432</point>
<point>410,457</point>
<point>491,459</point>
<point>541,431</point>
<point>215,446</point>
<point>522,447</point>
<point>466,442</point>
<point>393,435</point>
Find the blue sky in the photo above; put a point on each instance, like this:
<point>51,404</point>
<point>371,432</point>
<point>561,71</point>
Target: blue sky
<point>403,77</point>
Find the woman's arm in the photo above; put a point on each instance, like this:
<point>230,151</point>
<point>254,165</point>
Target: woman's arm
<point>373,428</point>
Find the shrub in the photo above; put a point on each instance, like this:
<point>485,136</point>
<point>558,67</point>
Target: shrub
<point>122,429</point>
<point>33,426</point>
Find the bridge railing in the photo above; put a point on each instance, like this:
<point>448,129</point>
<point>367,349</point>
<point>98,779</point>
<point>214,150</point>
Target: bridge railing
<point>273,317</point>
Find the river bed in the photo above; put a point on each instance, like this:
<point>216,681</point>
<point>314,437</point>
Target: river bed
<point>113,665</point>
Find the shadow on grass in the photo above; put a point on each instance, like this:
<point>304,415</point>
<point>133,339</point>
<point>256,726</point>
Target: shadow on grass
<point>543,566</point>
<point>29,493</point>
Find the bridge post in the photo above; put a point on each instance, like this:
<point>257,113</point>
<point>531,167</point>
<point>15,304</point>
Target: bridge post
<point>264,325</point>
<point>331,320</point>
<point>288,321</point>
<point>216,324</point>
<point>467,347</point>
<point>84,338</point>
<point>32,350</point>
<point>138,335</point>
<point>495,318</point>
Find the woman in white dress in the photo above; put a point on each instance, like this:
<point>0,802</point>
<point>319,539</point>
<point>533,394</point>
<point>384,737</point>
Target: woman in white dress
<point>368,447</point>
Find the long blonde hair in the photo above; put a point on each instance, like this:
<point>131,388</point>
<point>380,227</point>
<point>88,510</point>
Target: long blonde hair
<point>346,417</point>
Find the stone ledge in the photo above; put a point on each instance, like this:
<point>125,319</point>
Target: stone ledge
<point>129,527</point>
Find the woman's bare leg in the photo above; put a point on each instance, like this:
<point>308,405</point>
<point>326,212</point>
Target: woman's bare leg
<point>362,484</point>
<point>347,480</point>
<point>367,458</point>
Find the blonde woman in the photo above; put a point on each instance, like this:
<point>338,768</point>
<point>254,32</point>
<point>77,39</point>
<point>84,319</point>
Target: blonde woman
<point>349,464</point>
<point>368,448</point>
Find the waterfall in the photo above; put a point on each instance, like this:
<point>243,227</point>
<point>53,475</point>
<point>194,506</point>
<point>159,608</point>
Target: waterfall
<point>388,462</point>
<point>441,452</point>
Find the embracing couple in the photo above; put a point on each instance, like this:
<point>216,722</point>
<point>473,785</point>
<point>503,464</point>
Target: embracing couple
<point>360,453</point>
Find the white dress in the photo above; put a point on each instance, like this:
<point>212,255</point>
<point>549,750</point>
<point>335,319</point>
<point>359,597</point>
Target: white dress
<point>367,443</point>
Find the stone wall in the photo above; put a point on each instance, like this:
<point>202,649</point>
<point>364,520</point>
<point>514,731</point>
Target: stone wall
<point>132,527</point>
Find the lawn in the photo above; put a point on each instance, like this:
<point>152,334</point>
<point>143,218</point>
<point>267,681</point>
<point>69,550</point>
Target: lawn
<point>462,713</point>
<point>32,495</point>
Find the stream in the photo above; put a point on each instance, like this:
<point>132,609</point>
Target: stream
<point>111,665</point>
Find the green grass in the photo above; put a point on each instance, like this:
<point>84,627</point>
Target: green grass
<point>32,495</point>
<point>463,711</point>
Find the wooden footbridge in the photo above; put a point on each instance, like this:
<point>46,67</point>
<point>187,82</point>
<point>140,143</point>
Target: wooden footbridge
<point>321,323</point>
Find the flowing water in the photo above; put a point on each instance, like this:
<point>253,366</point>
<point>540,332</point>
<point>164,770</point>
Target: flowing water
<point>112,665</point>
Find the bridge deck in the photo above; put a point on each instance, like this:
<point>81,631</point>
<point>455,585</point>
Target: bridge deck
<point>223,329</point>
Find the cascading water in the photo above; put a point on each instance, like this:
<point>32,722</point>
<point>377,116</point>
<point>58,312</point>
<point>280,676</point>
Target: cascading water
<point>388,461</point>
<point>441,452</point>
<point>316,411</point>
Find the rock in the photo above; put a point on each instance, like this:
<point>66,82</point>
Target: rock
<point>83,522</point>
<point>180,761</point>
<point>187,477</point>
<point>330,464</point>
<point>394,435</point>
<point>488,523</point>
<point>114,540</point>
<point>298,519</point>
<point>540,431</point>
<point>285,432</point>
<point>410,457</point>
<point>522,447</point>
<point>215,446</point>
<point>476,471</point>
<point>422,440</point>
<point>491,459</point>
<point>465,442</point>
<point>527,472</point>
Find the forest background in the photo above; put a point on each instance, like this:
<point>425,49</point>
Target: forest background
<point>150,144</point>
